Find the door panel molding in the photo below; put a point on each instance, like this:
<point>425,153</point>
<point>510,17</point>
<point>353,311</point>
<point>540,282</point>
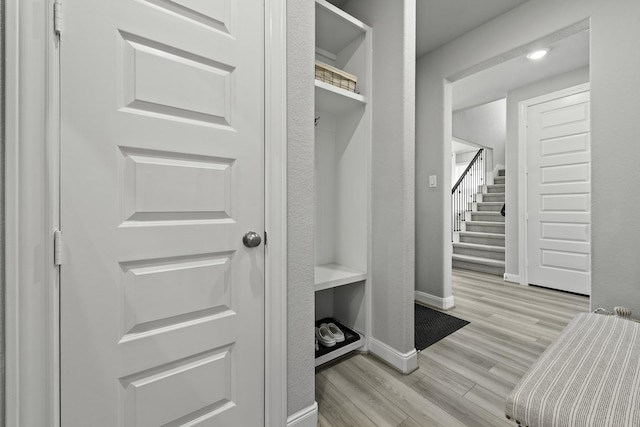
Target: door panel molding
<point>32,206</point>
<point>523,107</point>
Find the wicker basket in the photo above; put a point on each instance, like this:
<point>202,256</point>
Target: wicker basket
<point>333,76</point>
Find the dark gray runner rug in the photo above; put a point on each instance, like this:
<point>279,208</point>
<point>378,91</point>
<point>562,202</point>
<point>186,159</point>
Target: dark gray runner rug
<point>432,326</point>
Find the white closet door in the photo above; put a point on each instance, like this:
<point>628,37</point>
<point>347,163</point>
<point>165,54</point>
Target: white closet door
<point>559,193</point>
<point>162,306</point>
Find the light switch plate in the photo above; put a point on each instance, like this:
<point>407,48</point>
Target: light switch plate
<point>432,181</point>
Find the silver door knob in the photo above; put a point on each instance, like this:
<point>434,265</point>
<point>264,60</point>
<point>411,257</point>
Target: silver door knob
<point>251,239</point>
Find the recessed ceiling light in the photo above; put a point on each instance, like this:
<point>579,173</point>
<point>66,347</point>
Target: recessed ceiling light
<point>538,54</point>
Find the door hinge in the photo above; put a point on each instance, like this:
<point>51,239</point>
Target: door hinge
<point>265,238</point>
<point>57,247</point>
<point>57,16</point>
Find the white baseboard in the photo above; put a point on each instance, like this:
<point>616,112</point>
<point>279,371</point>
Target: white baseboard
<point>307,417</point>
<point>434,301</point>
<point>404,362</point>
<point>514,278</point>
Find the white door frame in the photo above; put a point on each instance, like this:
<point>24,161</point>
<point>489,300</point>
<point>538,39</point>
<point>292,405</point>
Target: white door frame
<point>32,395</point>
<point>523,106</point>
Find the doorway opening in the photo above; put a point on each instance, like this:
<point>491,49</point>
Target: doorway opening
<point>486,111</point>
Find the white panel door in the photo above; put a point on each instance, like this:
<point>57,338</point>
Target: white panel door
<point>162,160</point>
<point>559,194</point>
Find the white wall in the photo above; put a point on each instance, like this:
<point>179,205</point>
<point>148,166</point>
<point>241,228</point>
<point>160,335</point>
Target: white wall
<point>300,190</point>
<point>465,158</point>
<point>393,233</point>
<point>615,67</point>
<point>485,125</point>
<point>514,97</point>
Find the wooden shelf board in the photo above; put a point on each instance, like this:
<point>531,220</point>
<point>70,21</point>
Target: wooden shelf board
<point>335,100</point>
<point>340,351</point>
<point>336,29</point>
<point>332,275</point>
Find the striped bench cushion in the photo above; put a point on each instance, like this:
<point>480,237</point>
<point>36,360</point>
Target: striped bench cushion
<point>590,376</point>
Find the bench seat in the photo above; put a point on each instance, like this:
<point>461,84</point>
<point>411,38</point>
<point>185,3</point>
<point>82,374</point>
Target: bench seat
<point>589,376</point>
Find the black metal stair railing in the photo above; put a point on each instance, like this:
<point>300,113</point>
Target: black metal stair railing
<point>463,193</point>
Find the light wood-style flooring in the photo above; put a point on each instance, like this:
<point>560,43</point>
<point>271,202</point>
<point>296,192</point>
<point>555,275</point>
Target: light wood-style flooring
<point>463,379</point>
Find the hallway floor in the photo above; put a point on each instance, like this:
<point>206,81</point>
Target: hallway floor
<point>463,379</point>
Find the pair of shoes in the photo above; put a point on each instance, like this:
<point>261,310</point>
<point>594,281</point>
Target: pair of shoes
<point>323,336</point>
<point>328,334</point>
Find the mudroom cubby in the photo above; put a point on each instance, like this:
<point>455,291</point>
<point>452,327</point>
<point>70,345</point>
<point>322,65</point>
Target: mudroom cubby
<point>342,176</point>
<point>344,305</point>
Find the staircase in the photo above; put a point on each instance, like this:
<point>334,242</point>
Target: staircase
<point>480,242</point>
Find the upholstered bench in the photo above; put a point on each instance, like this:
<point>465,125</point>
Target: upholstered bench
<point>590,376</point>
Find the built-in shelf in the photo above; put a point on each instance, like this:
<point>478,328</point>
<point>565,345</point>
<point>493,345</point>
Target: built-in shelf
<point>342,181</point>
<point>333,275</point>
<point>335,100</point>
<point>340,351</point>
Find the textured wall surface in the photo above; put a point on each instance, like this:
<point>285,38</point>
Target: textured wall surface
<point>615,36</point>
<point>485,125</point>
<point>615,136</point>
<point>514,97</point>
<point>393,177</point>
<point>300,271</point>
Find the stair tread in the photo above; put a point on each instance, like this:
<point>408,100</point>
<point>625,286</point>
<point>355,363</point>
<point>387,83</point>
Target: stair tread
<point>492,213</point>
<point>478,260</point>
<point>481,234</point>
<point>479,246</point>
<point>485,222</point>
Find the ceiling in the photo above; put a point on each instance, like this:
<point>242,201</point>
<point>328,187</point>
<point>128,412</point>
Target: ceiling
<point>493,83</point>
<point>440,21</point>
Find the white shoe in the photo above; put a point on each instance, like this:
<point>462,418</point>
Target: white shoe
<point>317,346</point>
<point>337,334</point>
<point>324,336</point>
